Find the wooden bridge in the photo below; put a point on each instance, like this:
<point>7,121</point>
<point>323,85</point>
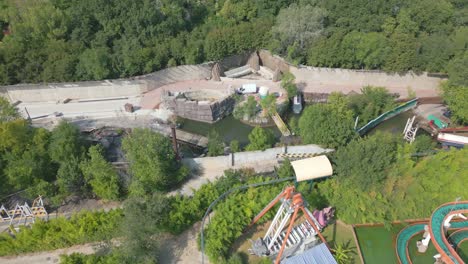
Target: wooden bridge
<point>281,125</point>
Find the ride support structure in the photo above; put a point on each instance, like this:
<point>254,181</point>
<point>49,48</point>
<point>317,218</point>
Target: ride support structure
<point>22,214</point>
<point>296,238</point>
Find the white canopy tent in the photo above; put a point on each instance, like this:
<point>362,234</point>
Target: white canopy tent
<point>312,168</point>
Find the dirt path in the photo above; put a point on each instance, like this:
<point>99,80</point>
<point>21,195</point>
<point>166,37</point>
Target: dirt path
<point>48,257</point>
<point>182,249</point>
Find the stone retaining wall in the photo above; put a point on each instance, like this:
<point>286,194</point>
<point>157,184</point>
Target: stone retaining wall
<point>205,111</point>
<point>325,80</point>
<point>54,92</point>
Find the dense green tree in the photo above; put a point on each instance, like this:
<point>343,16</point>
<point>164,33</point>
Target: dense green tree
<point>403,55</point>
<point>287,82</point>
<point>422,187</point>
<point>431,15</point>
<point>299,24</point>
<point>153,163</point>
<point>144,218</point>
<point>364,50</point>
<point>24,159</point>
<point>364,161</point>
<point>7,111</point>
<point>286,170</point>
<point>410,189</point>
<point>234,146</point>
<point>329,124</point>
<point>373,102</point>
<point>66,143</point>
<point>435,51</point>
<point>360,15</point>
<point>94,64</point>
<point>215,144</point>
<point>246,110</point>
<point>100,174</point>
<point>70,179</point>
<point>459,38</point>
<point>260,139</point>
<point>25,170</point>
<point>458,70</point>
<point>15,136</point>
<point>55,40</point>
<point>456,99</point>
<point>268,104</point>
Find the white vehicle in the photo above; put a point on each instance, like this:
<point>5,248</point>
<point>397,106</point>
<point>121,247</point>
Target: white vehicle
<point>297,104</point>
<point>452,140</point>
<point>247,89</point>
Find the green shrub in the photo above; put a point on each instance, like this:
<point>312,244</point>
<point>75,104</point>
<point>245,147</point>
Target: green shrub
<point>81,228</point>
<point>233,216</point>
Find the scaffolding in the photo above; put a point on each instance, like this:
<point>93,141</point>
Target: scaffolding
<point>23,214</point>
<point>409,133</point>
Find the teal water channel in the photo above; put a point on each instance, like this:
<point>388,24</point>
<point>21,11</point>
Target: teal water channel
<point>378,246</point>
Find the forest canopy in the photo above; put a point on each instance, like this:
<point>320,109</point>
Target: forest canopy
<point>57,40</point>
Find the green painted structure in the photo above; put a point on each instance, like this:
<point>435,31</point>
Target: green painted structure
<point>437,121</point>
<point>387,115</point>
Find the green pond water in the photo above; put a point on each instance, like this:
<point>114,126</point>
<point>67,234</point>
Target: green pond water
<point>228,128</point>
<point>378,246</point>
<point>394,125</point>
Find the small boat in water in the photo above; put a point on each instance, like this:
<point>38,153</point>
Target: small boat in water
<point>297,104</point>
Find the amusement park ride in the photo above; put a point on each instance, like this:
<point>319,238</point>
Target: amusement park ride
<point>447,217</point>
<point>291,238</point>
<point>299,236</point>
<point>23,213</point>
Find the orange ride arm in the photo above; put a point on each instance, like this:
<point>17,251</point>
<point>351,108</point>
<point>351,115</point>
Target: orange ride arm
<point>287,192</point>
<point>312,223</point>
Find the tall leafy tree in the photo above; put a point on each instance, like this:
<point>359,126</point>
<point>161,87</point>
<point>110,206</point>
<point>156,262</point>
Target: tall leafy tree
<point>100,174</point>
<point>455,97</point>
<point>7,111</point>
<point>327,124</point>
<point>215,144</point>
<point>260,139</point>
<point>144,219</point>
<point>287,82</point>
<point>364,161</point>
<point>458,71</point>
<point>299,24</point>
<point>373,102</point>
<point>66,143</point>
<point>153,163</point>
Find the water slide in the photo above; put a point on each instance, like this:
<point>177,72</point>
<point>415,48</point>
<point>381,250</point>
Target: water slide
<point>459,237</point>
<point>437,226</point>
